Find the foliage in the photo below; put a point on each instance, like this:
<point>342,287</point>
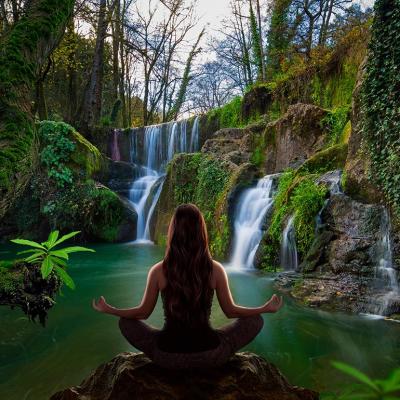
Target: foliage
<point>278,35</point>
<point>97,210</point>
<point>367,388</point>
<point>228,116</point>
<point>201,179</point>
<point>380,107</point>
<point>49,258</point>
<point>9,281</point>
<point>301,196</point>
<point>306,201</point>
<point>329,159</point>
<point>256,43</point>
<point>21,56</point>
<point>335,122</point>
<point>57,149</point>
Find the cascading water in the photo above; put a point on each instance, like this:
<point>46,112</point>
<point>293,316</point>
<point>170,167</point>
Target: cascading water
<point>252,208</point>
<point>150,152</point>
<point>289,257</point>
<point>115,154</point>
<point>194,137</point>
<point>384,271</point>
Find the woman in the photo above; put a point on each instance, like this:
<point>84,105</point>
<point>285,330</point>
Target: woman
<point>187,279</point>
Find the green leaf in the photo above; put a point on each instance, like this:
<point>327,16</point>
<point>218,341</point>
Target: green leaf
<point>75,249</point>
<point>34,257</point>
<point>65,277</point>
<point>30,251</point>
<point>355,373</point>
<point>58,261</point>
<point>59,253</point>
<point>46,267</point>
<point>52,239</point>
<point>66,237</point>
<point>28,243</point>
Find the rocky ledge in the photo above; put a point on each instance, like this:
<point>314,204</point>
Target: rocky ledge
<point>134,376</point>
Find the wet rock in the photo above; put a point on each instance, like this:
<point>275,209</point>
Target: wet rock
<point>134,376</point>
<point>127,228</point>
<point>340,270</point>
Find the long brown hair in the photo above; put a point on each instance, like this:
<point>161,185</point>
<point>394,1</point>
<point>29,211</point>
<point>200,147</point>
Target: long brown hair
<point>187,266</point>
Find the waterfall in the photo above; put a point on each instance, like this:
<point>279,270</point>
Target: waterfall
<point>151,149</point>
<point>249,219</point>
<point>194,137</point>
<point>289,258</point>
<point>115,154</point>
<point>384,271</point>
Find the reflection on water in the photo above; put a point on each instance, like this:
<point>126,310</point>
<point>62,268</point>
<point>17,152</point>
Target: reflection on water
<point>36,362</point>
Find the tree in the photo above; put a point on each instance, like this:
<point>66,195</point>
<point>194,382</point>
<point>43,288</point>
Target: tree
<point>90,111</point>
<point>174,111</point>
<point>25,50</point>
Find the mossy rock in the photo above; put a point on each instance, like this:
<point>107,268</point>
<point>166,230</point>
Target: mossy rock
<point>200,179</point>
<point>22,286</point>
<point>86,156</point>
<point>329,159</point>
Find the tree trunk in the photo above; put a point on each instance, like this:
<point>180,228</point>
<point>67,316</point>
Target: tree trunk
<point>263,69</point>
<point>24,51</point>
<point>90,111</point>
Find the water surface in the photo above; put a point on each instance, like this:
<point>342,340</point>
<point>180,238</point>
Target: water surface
<point>36,362</point>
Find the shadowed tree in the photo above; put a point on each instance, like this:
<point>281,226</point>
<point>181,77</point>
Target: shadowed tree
<point>24,52</point>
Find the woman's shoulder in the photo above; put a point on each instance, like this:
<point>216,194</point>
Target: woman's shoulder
<point>217,271</point>
<point>158,273</point>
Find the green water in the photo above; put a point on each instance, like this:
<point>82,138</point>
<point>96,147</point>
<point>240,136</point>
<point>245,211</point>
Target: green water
<point>36,362</point>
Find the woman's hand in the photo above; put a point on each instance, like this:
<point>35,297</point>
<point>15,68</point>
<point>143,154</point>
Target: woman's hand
<point>102,305</point>
<point>273,304</point>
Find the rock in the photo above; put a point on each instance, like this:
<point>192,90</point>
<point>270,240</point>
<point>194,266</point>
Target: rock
<point>22,286</point>
<point>358,185</point>
<point>126,230</point>
<point>134,376</point>
<point>340,270</point>
<point>256,101</point>
<point>295,137</point>
<point>118,175</point>
<point>230,144</point>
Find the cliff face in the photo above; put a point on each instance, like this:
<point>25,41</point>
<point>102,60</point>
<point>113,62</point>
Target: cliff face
<point>134,376</point>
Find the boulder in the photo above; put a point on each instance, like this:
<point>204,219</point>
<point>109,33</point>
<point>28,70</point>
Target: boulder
<point>295,137</point>
<point>134,376</point>
<point>340,271</point>
<point>230,144</point>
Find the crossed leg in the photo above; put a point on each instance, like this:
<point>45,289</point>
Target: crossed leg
<point>232,338</point>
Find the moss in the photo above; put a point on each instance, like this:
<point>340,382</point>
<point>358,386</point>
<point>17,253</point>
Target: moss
<point>107,215</point>
<point>205,181</point>
<point>332,158</point>
<point>335,123</point>
<point>300,196</point>
<point>86,155</point>
<point>20,57</point>
<point>85,206</point>
<point>10,280</point>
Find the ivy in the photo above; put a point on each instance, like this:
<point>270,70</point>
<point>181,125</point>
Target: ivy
<point>57,149</point>
<point>380,100</point>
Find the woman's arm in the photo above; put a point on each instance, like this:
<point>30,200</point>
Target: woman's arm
<point>230,309</point>
<point>146,307</point>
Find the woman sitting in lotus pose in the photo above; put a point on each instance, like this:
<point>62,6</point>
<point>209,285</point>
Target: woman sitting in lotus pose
<point>187,278</point>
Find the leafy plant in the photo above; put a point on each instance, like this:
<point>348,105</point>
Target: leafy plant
<point>49,258</point>
<point>367,388</point>
<point>57,149</point>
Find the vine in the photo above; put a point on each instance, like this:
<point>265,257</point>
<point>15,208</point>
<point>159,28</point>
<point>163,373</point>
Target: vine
<point>380,100</point>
